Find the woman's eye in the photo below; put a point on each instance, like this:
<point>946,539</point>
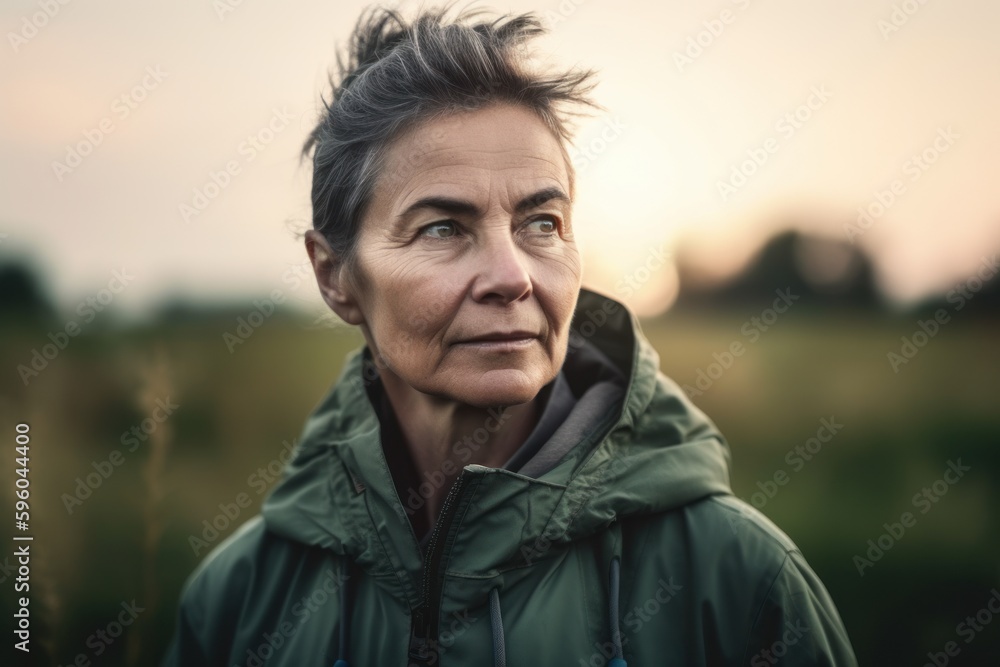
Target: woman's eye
<point>439,230</point>
<point>549,225</point>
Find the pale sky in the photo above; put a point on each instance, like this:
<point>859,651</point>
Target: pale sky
<point>170,92</point>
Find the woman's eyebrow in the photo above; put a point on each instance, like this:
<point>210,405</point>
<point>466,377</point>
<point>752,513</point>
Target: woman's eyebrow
<point>540,197</point>
<point>463,207</point>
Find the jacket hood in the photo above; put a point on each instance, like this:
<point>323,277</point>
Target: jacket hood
<point>652,451</point>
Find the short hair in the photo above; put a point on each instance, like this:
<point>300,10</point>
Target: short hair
<point>397,74</point>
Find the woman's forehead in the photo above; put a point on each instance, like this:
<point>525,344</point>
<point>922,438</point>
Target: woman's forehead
<point>507,151</point>
<point>504,136</point>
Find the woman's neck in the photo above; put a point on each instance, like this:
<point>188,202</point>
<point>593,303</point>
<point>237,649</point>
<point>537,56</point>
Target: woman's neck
<point>442,436</point>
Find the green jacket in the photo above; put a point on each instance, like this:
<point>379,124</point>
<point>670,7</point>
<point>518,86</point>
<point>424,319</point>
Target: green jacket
<point>630,547</point>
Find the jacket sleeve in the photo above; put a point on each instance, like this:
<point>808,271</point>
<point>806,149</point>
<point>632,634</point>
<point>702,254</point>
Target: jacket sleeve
<point>208,611</point>
<point>213,599</point>
<point>797,623</point>
<point>187,646</point>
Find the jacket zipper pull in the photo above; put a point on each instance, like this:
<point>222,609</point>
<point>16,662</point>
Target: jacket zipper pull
<point>420,652</point>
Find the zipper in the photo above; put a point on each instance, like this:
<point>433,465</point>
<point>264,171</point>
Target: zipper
<point>423,650</point>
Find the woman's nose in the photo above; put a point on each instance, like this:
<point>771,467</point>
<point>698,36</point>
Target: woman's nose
<point>501,268</point>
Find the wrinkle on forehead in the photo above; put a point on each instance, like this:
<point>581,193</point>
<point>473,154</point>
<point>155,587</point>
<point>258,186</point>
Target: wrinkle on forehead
<point>467,152</point>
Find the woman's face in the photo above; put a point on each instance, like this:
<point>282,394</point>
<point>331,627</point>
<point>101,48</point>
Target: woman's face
<point>468,236</point>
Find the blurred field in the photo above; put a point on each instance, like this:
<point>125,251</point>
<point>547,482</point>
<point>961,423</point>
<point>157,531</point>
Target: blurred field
<point>236,411</point>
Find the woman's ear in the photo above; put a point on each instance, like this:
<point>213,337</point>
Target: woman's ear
<point>331,276</point>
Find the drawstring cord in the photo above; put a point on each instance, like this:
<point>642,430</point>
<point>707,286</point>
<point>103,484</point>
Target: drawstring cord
<point>618,659</point>
<point>496,623</point>
<point>496,620</point>
<point>616,634</point>
<point>345,618</point>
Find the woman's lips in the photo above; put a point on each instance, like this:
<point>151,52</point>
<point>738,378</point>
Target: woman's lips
<point>499,344</point>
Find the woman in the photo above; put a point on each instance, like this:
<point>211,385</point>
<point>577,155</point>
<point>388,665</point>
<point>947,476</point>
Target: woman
<point>501,473</point>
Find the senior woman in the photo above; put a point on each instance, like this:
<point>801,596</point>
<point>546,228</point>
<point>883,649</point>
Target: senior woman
<point>501,474</point>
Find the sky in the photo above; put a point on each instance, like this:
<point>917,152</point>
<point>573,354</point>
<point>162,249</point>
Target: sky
<point>162,140</point>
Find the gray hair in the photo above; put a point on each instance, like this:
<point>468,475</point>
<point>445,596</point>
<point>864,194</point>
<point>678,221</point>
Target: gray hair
<point>398,74</point>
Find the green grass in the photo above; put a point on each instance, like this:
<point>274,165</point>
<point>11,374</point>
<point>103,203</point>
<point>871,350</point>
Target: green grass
<point>237,409</point>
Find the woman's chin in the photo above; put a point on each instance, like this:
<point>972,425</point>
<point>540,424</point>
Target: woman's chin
<point>497,388</point>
